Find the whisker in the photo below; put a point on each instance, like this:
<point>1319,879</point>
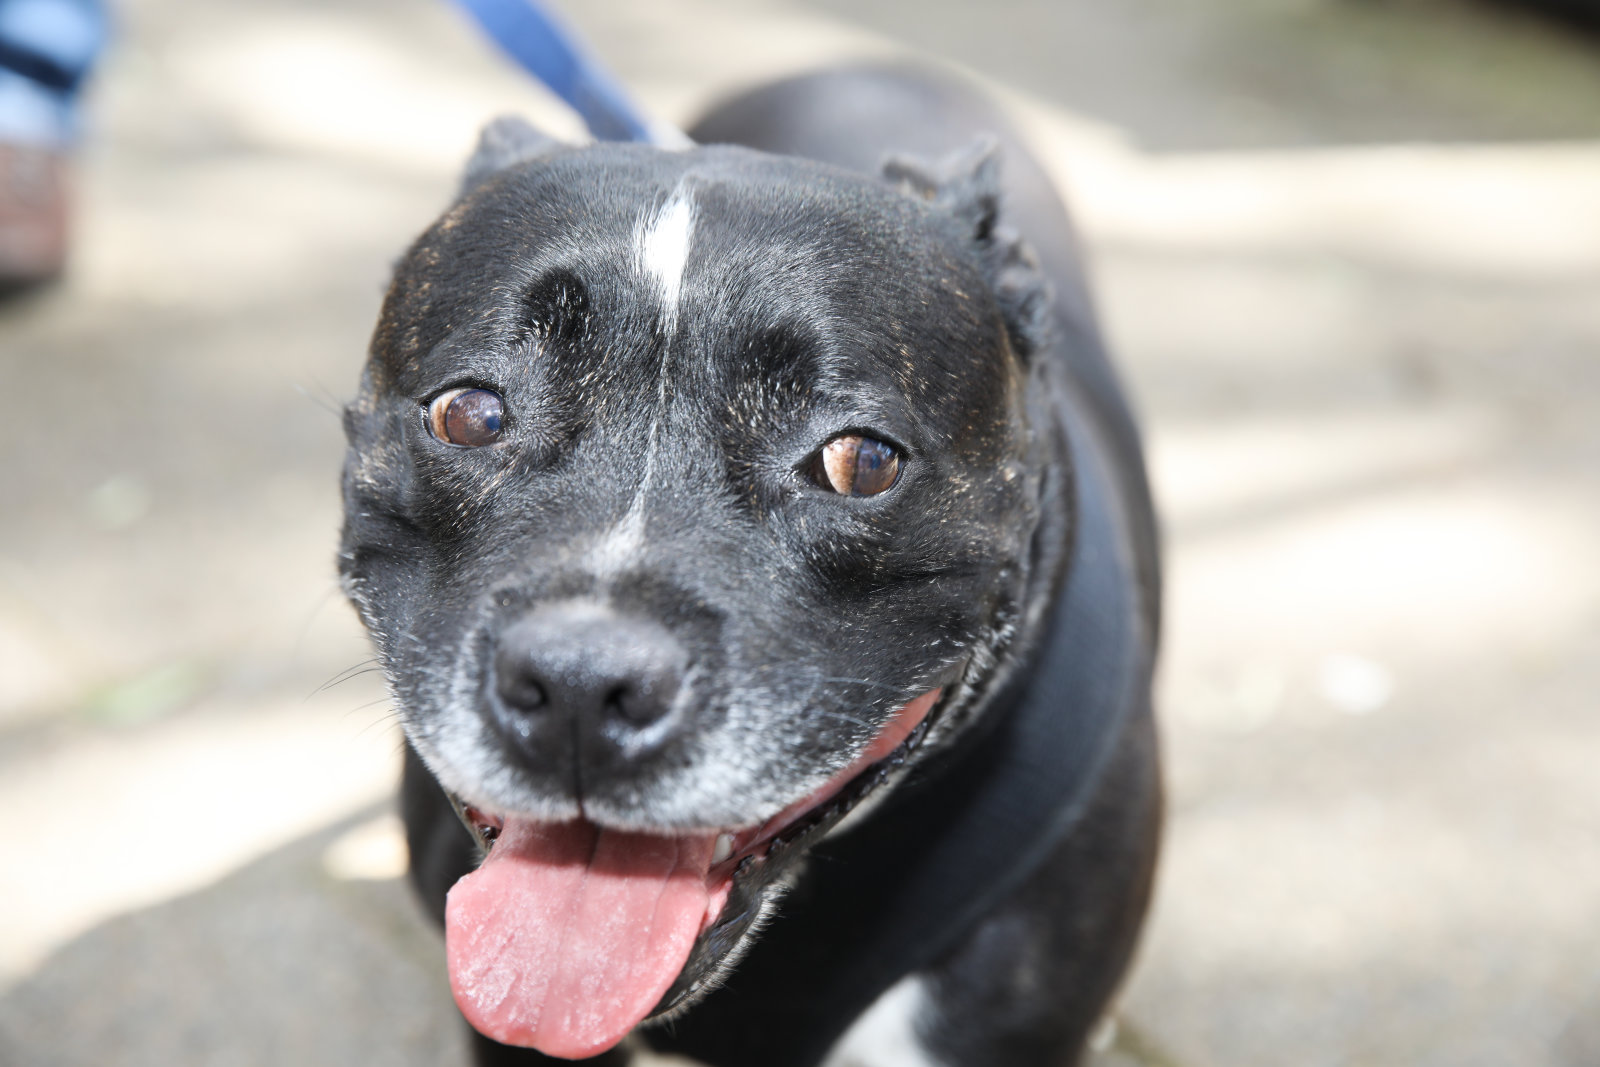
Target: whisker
<point>855,681</point>
<point>363,667</point>
<point>362,707</point>
<point>823,713</point>
<point>350,676</point>
<point>327,402</point>
<point>389,718</point>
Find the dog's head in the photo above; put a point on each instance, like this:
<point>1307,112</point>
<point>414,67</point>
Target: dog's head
<point>687,493</point>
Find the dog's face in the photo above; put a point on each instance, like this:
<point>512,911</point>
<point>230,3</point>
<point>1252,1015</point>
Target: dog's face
<point>686,493</point>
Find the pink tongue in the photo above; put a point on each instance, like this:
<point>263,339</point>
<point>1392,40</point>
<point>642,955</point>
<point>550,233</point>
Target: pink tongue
<point>568,935</point>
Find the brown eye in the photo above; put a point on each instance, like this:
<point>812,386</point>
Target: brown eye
<point>853,465</point>
<point>471,418</point>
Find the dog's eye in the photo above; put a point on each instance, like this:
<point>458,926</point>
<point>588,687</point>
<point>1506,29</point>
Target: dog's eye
<point>471,418</point>
<point>853,465</point>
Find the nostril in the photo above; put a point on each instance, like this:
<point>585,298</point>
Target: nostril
<point>617,679</point>
<point>640,704</point>
<point>520,690</point>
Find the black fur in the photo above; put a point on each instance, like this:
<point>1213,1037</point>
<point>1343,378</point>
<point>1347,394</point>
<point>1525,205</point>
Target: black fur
<point>935,303</point>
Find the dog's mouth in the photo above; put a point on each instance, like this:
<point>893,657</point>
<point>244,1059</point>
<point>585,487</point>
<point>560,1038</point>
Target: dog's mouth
<point>570,934</point>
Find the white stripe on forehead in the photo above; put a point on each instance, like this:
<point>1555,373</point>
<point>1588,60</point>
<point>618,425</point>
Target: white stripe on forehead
<point>661,241</point>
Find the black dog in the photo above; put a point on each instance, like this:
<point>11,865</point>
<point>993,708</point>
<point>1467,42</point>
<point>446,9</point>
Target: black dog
<point>762,541</point>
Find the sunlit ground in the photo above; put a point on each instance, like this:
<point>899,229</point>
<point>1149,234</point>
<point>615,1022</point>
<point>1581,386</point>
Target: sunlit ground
<point>1350,256</point>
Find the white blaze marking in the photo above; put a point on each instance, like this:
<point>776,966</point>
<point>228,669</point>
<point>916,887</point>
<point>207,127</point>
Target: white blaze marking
<point>661,242</point>
<point>621,544</point>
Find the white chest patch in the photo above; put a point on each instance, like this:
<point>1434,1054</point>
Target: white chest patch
<point>886,1036</point>
<point>661,242</point>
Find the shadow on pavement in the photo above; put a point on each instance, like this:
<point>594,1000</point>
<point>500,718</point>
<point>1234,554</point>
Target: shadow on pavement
<point>280,963</point>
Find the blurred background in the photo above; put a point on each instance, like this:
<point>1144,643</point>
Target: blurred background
<point>1349,254</point>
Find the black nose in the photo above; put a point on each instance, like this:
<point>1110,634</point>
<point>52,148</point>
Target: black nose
<point>582,672</point>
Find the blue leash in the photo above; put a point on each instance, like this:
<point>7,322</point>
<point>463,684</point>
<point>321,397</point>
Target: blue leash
<point>532,36</point>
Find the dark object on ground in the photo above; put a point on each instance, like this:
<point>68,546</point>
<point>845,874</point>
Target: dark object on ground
<point>33,215</point>
<point>1583,13</point>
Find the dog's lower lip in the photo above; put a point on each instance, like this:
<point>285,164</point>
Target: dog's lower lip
<point>791,825</point>
<point>485,826</point>
<point>781,832</point>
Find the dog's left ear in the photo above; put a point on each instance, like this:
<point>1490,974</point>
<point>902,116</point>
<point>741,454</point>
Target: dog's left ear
<point>505,142</point>
<point>966,184</point>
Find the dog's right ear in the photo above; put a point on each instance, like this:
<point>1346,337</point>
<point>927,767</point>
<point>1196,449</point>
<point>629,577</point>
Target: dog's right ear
<point>505,142</point>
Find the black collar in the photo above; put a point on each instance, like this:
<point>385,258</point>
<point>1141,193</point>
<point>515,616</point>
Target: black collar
<point>899,890</point>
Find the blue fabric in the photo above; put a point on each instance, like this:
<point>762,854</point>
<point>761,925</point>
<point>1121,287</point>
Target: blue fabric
<point>529,34</point>
<point>47,48</point>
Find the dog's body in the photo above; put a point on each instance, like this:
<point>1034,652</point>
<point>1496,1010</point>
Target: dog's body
<point>774,512</point>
